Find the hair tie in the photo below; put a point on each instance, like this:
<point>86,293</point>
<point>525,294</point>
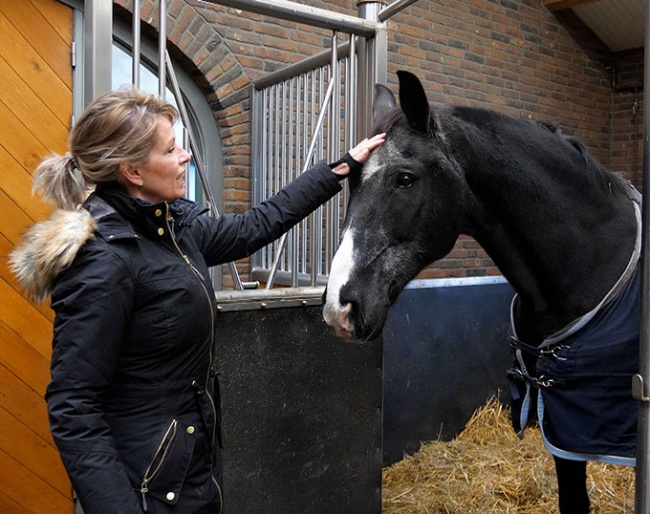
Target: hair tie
<point>72,160</point>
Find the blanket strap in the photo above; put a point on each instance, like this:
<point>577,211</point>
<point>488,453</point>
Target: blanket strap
<point>521,373</point>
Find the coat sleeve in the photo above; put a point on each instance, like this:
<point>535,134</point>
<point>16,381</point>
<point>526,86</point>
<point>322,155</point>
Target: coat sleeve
<point>92,301</point>
<point>235,236</point>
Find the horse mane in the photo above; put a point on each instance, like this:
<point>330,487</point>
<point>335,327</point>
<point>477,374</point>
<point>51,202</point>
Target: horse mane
<point>582,149</point>
<point>572,145</point>
<point>482,117</point>
<point>591,163</point>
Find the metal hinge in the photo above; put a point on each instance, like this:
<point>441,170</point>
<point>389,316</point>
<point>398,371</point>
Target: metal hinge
<point>73,54</point>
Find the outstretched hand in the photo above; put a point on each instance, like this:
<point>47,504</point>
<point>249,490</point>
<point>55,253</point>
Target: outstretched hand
<point>360,152</point>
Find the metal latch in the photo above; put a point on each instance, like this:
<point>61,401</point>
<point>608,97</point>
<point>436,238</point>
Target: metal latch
<point>638,389</point>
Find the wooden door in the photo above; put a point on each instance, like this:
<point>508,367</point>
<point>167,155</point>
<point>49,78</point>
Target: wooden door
<point>35,109</point>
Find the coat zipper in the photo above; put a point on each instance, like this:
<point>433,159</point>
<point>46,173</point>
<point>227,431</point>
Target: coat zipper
<point>162,450</point>
<point>170,226</point>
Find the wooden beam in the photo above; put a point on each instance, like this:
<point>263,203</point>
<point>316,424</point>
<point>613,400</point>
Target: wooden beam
<point>556,5</point>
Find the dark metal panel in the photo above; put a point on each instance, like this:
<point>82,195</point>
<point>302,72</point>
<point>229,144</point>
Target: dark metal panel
<point>445,354</point>
<point>301,415</point>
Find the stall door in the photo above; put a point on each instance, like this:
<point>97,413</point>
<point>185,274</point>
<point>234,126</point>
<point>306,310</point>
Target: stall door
<point>35,109</point>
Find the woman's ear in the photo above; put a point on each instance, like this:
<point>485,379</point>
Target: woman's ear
<point>130,174</point>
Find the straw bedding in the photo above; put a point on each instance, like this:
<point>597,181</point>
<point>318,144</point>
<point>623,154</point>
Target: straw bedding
<point>487,469</point>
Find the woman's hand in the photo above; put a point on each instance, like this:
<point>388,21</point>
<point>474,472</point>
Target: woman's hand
<point>360,153</point>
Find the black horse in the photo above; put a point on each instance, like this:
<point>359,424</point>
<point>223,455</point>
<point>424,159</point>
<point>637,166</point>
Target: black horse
<point>564,231</point>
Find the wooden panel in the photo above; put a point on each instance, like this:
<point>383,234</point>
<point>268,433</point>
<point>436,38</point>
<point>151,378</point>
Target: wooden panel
<point>9,505</point>
<point>25,405</point>
<point>20,142</point>
<point>32,110</point>
<point>19,317</point>
<point>58,16</point>
<point>33,24</point>
<point>26,447</point>
<point>17,185</point>
<point>5,248</point>
<point>36,108</point>
<point>14,221</point>
<point>34,70</point>
<point>22,359</point>
<point>33,494</point>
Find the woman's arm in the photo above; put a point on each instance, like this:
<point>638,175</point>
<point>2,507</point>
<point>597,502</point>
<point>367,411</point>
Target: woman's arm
<point>235,236</point>
<point>92,302</point>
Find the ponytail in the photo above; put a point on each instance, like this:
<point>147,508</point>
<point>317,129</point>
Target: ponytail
<point>59,179</point>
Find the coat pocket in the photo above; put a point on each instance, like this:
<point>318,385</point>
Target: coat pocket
<point>166,472</point>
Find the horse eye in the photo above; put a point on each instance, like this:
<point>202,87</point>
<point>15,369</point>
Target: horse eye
<point>405,180</point>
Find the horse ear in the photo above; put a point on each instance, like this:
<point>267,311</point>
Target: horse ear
<point>384,100</point>
<point>414,101</point>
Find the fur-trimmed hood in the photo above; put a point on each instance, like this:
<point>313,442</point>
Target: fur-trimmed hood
<point>48,247</point>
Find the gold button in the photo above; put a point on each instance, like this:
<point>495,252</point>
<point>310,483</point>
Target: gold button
<point>161,231</point>
<point>158,212</point>
<point>190,430</point>
<point>170,496</point>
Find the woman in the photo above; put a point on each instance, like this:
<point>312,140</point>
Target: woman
<point>133,401</point>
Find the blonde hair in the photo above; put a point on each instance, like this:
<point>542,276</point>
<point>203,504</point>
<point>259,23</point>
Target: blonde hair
<point>118,127</point>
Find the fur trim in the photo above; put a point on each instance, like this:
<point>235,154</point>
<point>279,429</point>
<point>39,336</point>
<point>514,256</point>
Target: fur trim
<point>48,248</point>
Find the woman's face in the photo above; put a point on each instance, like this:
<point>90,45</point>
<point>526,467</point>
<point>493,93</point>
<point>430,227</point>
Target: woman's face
<point>163,176</point>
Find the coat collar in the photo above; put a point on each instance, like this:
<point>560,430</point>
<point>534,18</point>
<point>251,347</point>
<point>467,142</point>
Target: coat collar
<point>111,207</point>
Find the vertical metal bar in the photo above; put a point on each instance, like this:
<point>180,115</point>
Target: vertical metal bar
<point>295,232</point>
<point>98,47</point>
<point>135,61</point>
<point>642,494</point>
<point>353,78</point>
<point>298,140</point>
<point>380,59</point>
<point>373,58</point>
<point>267,186</point>
<point>332,212</point>
<point>162,50</point>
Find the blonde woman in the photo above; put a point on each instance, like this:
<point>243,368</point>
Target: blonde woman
<point>133,401</point>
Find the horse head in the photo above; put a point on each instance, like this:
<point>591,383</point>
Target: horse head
<point>405,211</point>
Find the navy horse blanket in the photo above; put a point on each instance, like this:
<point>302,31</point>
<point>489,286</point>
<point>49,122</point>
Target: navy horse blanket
<point>583,378</point>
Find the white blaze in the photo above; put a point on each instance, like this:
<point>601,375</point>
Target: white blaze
<point>335,314</point>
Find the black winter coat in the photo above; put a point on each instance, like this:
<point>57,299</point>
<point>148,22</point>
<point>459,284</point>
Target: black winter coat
<point>133,401</point>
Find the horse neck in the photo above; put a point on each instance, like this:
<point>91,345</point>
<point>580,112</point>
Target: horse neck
<point>561,242</point>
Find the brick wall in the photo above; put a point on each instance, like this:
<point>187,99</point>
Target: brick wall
<point>510,55</point>
<point>627,116</point>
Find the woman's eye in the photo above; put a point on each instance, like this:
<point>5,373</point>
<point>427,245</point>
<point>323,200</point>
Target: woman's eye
<point>405,180</point>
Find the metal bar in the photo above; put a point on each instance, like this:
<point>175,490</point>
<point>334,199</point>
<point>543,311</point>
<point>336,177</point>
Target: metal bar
<point>295,247</point>
<point>309,64</point>
<point>335,151</point>
<point>312,147</point>
<point>394,8</point>
<point>352,84</point>
<point>642,500</point>
<point>292,11</point>
<point>98,46</point>
<point>162,50</point>
<point>135,61</point>
<point>380,65</point>
<point>197,156</point>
